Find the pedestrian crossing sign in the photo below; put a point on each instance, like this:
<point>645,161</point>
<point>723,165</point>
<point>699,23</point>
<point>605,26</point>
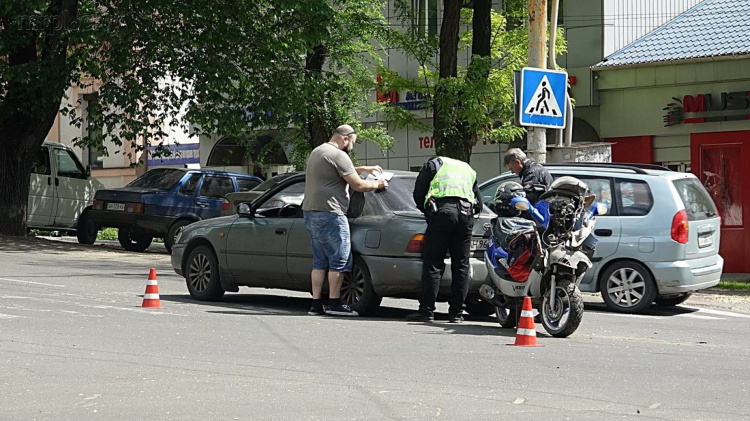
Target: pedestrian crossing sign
<point>543,98</point>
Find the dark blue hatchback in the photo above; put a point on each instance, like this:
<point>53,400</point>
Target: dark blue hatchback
<point>162,201</point>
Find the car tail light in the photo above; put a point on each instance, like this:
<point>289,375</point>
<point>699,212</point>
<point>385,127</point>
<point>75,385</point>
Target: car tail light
<point>680,227</point>
<point>97,205</point>
<point>224,204</point>
<point>134,207</point>
<point>415,244</point>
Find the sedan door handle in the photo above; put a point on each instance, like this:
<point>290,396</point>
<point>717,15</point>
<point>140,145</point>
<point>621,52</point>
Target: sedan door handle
<point>603,233</point>
<point>281,231</point>
<point>202,204</point>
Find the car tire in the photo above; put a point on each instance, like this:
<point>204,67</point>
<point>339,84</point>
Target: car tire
<point>673,300</point>
<point>357,290</point>
<point>479,307</point>
<point>202,274</point>
<point>131,241</point>
<point>169,240</point>
<point>86,230</point>
<point>627,287</point>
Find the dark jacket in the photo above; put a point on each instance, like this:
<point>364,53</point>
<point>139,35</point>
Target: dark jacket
<point>422,186</point>
<point>534,173</point>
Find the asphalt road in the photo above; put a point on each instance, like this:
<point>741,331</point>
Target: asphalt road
<point>75,344</point>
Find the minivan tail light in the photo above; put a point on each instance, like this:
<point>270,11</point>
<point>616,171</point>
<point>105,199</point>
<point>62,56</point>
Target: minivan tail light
<point>134,207</point>
<point>680,227</point>
<point>224,204</point>
<point>97,205</point>
<point>415,244</point>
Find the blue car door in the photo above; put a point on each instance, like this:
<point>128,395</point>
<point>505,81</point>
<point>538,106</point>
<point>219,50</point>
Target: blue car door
<point>211,195</point>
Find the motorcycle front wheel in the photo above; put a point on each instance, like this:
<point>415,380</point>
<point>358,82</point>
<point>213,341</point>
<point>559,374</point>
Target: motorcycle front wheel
<point>568,313</point>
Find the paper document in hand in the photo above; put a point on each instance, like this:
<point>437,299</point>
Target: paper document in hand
<point>386,175</point>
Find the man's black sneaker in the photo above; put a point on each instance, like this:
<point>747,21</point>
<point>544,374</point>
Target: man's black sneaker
<point>317,310</point>
<point>457,318</point>
<point>419,316</point>
<point>341,310</point>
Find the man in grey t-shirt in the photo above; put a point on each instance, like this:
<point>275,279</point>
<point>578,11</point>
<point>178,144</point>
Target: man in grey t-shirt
<point>329,172</point>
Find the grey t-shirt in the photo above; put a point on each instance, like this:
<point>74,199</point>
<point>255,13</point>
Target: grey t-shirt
<point>325,189</point>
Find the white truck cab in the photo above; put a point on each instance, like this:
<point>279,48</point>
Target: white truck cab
<point>61,190</point>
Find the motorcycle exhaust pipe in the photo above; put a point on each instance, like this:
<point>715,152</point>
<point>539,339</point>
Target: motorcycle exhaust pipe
<point>488,294</point>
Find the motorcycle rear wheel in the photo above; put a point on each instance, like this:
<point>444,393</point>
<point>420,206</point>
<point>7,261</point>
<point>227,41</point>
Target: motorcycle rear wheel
<point>507,316</point>
<point>563,322</point>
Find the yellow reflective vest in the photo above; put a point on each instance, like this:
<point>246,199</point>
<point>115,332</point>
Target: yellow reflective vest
<point>454,178</point>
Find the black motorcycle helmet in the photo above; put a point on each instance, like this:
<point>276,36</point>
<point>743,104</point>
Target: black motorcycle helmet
<point>506,191</point>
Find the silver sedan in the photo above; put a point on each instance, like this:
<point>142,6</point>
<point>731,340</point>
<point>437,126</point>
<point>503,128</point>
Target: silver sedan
<point>267,245</point>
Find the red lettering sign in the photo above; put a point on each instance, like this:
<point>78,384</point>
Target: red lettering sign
<point>426,142</point>
<point>381,96</point>
<point>695,104</point>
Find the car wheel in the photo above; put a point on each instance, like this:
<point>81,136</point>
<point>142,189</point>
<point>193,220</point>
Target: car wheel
<point>86,230</point>
<point>627,287</point>
<point>202,274</point>
<point>479,307</point>
<point>171,237</point>
<point>673,300</point>
<point>357,291</point>
<point>133,241</point>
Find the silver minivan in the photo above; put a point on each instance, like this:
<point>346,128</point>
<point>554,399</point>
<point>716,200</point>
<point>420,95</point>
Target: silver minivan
<point>61,190</point>
<point>658,243</point>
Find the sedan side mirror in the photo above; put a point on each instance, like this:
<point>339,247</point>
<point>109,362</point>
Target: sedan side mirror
<point>244,209</point>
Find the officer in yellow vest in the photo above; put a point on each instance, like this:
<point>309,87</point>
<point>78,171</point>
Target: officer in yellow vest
<point>446,192</point>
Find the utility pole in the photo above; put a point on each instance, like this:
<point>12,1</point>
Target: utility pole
<point>536,144</point>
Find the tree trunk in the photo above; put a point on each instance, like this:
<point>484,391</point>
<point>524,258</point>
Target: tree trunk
<point>318,129</point>
<point>447,137</point>
<point>30,106</point>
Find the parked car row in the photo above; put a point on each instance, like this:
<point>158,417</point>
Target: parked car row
<point>658,243</point>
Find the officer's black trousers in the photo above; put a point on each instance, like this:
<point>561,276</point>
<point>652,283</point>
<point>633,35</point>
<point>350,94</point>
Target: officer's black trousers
<point>448,230</point>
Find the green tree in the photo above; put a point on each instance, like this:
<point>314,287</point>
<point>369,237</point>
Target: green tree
<point>234,66</point>
<point>476,99</point>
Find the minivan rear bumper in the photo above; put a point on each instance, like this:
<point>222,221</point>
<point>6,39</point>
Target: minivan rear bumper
<point>681,276</point>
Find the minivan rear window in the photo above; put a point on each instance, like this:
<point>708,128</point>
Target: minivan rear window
<point>698,203</point>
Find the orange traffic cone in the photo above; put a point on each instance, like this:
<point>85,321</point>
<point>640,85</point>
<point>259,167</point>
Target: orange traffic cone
<point>526,333</point>
<point>151,297</point>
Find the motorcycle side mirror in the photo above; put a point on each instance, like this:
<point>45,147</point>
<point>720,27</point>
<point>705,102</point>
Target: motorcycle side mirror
<point>598,208</point>
<point>520,203</point>
<point>589,200</point>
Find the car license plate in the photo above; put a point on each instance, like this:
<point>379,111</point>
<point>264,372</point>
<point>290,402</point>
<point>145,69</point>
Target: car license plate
<point>116,206</point>
<point>705,240</point>
<point>479,243</point>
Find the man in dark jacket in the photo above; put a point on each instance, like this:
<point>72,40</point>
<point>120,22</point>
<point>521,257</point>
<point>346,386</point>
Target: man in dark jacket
<point>530,172</point>
<point>446,192</point>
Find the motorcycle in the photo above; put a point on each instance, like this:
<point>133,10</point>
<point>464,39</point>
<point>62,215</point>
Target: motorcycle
<point>543,255</point>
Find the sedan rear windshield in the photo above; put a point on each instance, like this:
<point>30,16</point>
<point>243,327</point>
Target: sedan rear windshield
<point>698,203</point>
<point>160,179</point>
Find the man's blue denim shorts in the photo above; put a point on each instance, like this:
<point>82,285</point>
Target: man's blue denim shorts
<point>331,244</point>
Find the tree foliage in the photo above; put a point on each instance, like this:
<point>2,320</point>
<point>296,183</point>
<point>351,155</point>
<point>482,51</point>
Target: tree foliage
<point>476,98</point>
<point>223,67</point>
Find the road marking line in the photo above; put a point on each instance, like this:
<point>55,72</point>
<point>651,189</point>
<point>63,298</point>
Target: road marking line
<point>698,316</point>
<point>31,282</point>
<point>720,312</point>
